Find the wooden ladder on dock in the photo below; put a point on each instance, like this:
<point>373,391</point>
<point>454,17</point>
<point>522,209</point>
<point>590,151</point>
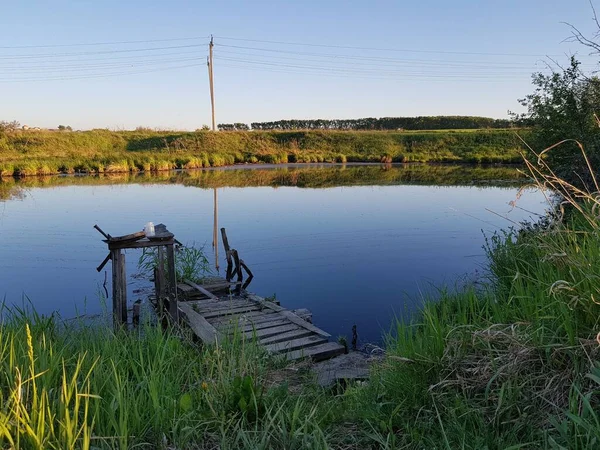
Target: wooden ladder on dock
<point>213,317</point>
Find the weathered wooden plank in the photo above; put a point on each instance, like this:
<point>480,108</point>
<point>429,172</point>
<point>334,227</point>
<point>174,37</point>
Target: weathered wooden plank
<point>249,317</point>
<point>317,352</point>
<point>185,288</point>
<point>267,304</point>
<point>229,311</point>
<point>139,244</point>
<point>290,315</point>
<point>271,331</point>
<point>201,289</point>
<point>221,304</point>
<point>295,344</point>
<point>303,323</point>
<point>294,334</point>
<point>231,328</point>
<point>199,325</point>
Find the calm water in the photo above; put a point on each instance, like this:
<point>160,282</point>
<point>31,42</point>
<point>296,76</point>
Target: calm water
<point>351,254</point>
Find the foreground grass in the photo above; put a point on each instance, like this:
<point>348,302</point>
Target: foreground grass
<point>512,364</point>
<point>24,153</point>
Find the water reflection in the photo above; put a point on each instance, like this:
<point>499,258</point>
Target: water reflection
<point>354,244</point>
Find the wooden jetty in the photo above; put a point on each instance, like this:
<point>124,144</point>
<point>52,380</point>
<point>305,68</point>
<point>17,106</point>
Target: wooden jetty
<point>280,331</point>
<point>220,307</point>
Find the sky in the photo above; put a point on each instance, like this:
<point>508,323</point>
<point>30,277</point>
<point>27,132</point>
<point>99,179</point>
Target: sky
<point>123,64</point>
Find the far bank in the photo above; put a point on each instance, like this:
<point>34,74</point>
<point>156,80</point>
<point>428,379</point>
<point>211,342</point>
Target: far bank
<point>24,153</point>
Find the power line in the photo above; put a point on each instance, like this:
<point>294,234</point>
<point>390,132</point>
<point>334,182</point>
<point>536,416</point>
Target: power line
<point>102,75</point>
<point>398,65</point>
<point>390,61</point>
<point>102,52</point>
<point>359,76</point>
<point>148,41</point>
<point>83,67</point>
<point>384,49</point>
<point>336,69</point>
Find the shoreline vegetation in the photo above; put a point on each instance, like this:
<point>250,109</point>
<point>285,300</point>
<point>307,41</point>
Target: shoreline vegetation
<point>507,363</point>
<point>30,152</point>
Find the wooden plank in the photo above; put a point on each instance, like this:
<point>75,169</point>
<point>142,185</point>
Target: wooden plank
<point>199,325</point>
<point>229,312</point>
<point>185,288</point>
<point>271,331</point>
<point>294,334</point>
<point>257,299</point>
<point>144,243</point>
<point>290,315</point>
<point>249,316</point>
<point>317,352</point>
<point>201,289</point>
<point>295,344</point>
<point>222,304</point>
<point>230,328</point>
<point>303,323</point>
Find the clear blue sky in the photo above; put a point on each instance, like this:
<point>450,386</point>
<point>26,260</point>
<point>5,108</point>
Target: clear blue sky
<point>487,51</point>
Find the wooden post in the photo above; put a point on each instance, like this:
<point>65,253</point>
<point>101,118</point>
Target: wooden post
<point>160,280</point>
<point>119,288</point>
<point>123,310</point>
<point>227,253</point>
<point>238,270</point>
<point>172,283</point>
<point>135,318</point>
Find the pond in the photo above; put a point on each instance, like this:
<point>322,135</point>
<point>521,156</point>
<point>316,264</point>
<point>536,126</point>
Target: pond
<point>355,244</point>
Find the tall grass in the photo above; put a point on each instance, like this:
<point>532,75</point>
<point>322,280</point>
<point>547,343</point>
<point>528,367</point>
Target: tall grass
<point>508,363</point>
<point>30,153</point>
<point>511,363</point>
<point>75,386</point>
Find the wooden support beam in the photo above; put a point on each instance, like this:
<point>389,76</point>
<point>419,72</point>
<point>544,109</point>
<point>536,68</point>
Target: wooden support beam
<point>160,281</point>
<point>228,273</point>
<point>201,289</point>
<point>172,283</point>
<point>119,288</point>
<point>204,330</point>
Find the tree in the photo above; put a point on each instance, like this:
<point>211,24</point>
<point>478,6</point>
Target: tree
<point>565,108</point>
<point>8,127</point>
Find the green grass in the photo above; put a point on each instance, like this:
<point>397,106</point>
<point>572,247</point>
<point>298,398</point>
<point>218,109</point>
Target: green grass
<point>26,153</point>
<point>508,363</point>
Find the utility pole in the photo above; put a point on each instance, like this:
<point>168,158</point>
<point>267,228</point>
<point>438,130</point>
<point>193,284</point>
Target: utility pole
<point>215,242</point>
<point>210,80</point>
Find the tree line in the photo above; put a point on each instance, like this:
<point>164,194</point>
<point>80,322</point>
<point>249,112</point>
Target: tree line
<point>372,123</point>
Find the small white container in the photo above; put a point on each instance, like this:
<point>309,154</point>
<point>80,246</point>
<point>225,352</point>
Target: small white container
<point>149,229</point>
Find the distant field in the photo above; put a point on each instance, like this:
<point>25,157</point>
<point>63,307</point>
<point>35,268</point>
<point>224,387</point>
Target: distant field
<point>24,153</point>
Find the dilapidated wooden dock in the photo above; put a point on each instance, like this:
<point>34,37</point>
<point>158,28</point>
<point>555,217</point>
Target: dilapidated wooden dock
<point>218,308</point>
<point>213,317</point>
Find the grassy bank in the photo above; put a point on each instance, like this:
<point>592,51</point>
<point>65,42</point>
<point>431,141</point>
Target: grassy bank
<point>508,363</point>
<point>25,153</point>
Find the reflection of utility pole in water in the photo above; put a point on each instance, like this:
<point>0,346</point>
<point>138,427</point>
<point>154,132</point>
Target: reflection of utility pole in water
<point>215,242</point>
